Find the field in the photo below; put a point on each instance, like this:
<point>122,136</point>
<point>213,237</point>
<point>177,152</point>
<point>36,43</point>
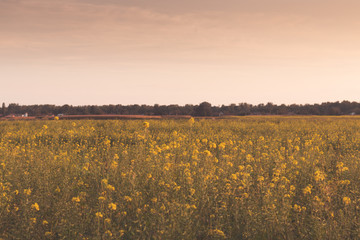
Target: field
<point>240,178</point>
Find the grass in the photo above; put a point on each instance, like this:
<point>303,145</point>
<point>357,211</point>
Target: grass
<point>242,178</point>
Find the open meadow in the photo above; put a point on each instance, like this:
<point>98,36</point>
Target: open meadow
<point>239,178</point>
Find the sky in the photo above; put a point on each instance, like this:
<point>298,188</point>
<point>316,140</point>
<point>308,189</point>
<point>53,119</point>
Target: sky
<point>96,52</point>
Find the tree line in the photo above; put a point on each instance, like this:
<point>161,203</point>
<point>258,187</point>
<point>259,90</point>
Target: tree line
<point>202,109</point>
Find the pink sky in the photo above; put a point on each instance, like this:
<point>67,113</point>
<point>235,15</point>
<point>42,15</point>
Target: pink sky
<point>177,52</point>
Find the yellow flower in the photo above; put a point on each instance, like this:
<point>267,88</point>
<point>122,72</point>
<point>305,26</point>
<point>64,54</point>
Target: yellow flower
<point>344,182</point>
<point>107,220</point>
<point>191,121</point>
<point>27,191</point>
<point>261,179</point>
<point>207,153</point>
<point>48,234</point>
<point>45,222</point>
<point>221,146</point>
<point>114,165</point>
<point>319,176</point>
<point>110,187</point>
<point>35,206</point>
<point>146,125</point>
<point>101,198</point>
<point>233,177</point>
<point>112,206</point>
<point>86,166</point>
<point>307,190</point>
<point>217,233</point>
<point>346,200</point>
<point>121,232</point>
<point>341,168</point>
<point>33,220</point>
<point>76,199</point>
<point>297,208</point>
<point>99,215</point>
<point>104,181</point>
<point>127,198</point>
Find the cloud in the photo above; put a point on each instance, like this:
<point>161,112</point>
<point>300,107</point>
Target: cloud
<point>136,30</point>
<point>81,26</point>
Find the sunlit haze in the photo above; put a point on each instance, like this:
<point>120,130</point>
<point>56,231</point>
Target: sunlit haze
<point>84,52</point>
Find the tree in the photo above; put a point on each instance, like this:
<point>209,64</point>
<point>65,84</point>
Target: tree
<point>3,109</point>
<point>204,109</point>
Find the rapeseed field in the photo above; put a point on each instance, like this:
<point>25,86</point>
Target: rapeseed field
<point>241,178</point>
